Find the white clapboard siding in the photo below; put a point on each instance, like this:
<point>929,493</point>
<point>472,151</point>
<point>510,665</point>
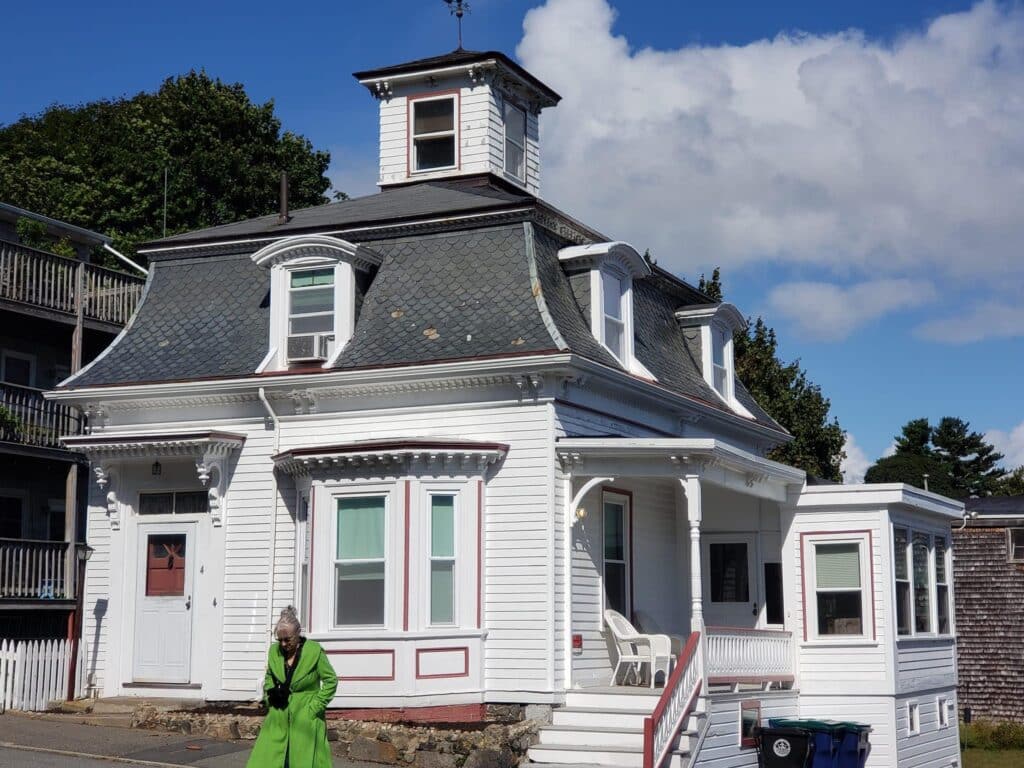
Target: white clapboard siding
<point>925,664</point>
<point>721,747</point>
<point>932,745</point>
<point>876,711</point>
<point>97,589</point>
<point>34,673</point>
<point>860,666</point>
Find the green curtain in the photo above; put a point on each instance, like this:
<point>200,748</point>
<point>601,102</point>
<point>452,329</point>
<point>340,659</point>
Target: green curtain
<point>837,566</point>
<point>361,528</point>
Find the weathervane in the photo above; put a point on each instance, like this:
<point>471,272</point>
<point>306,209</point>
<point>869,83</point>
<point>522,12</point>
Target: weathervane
<point>458,8</point>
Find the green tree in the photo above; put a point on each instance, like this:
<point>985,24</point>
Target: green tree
<point>1012,484</point>
<point>786,394</point>
<point>958,462</point>
<point>33,234</point>
<point>101,165</point>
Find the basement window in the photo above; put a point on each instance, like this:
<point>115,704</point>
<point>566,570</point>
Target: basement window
<point>434,133</point>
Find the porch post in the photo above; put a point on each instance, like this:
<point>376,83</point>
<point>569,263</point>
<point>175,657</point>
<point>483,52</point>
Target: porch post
<point>691,489</point>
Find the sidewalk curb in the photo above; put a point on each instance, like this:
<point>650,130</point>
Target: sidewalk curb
<point>108,758</point>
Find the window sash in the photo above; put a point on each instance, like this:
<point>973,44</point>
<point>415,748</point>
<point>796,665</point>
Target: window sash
<point>515,141</point>
<point>442,558</point>
<point>1016,544</point>
<point>922,582</point>
<point>431,132</point>
<point>360,561</point>
<point>615,549</point>
<point>841,594</point>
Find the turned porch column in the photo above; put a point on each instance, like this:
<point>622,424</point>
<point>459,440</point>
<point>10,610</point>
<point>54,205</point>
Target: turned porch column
<point>691,489</point>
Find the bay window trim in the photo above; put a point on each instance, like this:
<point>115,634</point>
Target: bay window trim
<point>931,535</point>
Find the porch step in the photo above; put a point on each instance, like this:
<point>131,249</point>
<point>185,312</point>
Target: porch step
<point>598,717</point>
<point>571,735</point>
<point>615,757</point>
<point>634,700</point>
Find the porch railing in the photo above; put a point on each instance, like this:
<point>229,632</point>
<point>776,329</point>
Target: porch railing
<point>27,418</point>
<point>676,703</point>
<point>749,655</point>
<point>46,280</point>
<point>34,570</point>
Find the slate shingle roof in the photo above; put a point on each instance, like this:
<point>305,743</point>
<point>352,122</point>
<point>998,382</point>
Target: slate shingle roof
<point>484,290</point>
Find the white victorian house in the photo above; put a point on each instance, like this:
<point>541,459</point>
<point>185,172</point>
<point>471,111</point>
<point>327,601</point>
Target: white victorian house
<point>454,426</point>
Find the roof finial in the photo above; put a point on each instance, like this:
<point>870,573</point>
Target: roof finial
<point>458,8</point>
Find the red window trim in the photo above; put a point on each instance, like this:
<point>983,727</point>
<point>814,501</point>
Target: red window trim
<point>871,572</point>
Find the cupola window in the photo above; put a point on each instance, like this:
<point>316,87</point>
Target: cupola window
<point>515,141</point>
<point>434,133</point>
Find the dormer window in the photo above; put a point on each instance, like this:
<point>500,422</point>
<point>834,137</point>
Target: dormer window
<point>312,298</point>
<point>515,141</point>
<point>311,314</point>
<point>434,129</point>
<point>720,374</point>
<point>611,267</point>
<point>717,323</point>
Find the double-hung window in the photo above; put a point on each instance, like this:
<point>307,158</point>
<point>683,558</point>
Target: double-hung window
<point>720,373</point>
<point>922,588</point>
<point>311,313</point>
<point>360,562</point>
<point>616,553</point>
<point>1015,545</point>
<point>941,587</point>
<point>839,588</point>
<point>442,559</point>
<point>433,133</point>
<point>904,611</point>
<point>613,289</point>
<point>515,141</point>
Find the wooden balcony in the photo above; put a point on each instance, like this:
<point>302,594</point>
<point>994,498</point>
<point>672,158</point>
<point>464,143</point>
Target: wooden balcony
<point>35,571</point>
<point>27,419</point>
<point>43,280</point>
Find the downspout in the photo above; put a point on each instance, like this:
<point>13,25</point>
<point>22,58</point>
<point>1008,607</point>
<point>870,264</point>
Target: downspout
<point>273,518</point>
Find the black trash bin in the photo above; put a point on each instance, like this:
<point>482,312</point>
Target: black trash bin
<point>833,743</point>
<point>783,747</point>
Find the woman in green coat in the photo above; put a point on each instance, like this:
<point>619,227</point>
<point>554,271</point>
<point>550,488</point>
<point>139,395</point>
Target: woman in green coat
<point>294,732</point>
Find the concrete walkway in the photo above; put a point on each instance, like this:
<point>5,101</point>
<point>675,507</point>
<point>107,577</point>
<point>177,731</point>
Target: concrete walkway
<point>45,740</point>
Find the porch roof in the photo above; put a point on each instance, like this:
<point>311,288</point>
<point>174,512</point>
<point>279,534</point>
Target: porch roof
<point>716,461</point>
<point>194,444</point>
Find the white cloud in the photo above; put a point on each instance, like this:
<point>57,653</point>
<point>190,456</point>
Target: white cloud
<point>832,312</point>
<point>1010,444</point>
<point>889,159</point>
<point>856,462</point>
<point>890,451</point>
<point>987,321</point>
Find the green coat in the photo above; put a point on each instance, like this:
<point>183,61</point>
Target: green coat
<point>300,732</point>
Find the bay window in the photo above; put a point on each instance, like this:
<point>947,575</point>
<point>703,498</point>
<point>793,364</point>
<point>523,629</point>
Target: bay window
<point>921,574</point>
<point>922,590</point>
<point>904,611</point>
<point>360,561</point>
<point>941,587</point>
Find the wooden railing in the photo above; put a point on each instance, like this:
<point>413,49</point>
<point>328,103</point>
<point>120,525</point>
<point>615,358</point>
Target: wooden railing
<point>749,655</point>
<point>676,703</point>
<point>34,570</point>
<point>46,280</point>
<point>27,418</point>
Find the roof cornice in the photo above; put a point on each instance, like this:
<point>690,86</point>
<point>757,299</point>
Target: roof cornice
<point>391,456</point>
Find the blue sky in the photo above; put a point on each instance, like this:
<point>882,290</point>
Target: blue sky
<point>855,167</point>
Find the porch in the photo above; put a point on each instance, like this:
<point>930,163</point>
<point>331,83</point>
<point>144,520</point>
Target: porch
<point>36,572</point>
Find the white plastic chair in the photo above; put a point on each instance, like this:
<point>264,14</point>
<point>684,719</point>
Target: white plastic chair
<point>635,649</point>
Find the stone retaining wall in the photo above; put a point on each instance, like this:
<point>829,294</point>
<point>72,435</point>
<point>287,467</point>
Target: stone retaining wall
<point>494,745</point>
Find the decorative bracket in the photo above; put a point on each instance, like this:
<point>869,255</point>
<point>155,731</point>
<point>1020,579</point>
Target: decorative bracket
<point>382,89</point>
<point>96,414</point>
<point>303,400</point>
<point>103,479</point>
<point>210,470</point>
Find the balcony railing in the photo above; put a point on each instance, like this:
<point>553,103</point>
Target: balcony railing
<point>749,655</point>
<point>35,570</point>
<point>45,280</point>
<point>28,419</point>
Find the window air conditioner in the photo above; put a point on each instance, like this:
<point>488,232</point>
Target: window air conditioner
<point>314,347</point>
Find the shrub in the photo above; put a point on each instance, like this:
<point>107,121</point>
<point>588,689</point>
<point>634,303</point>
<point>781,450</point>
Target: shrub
<point>982,734</point>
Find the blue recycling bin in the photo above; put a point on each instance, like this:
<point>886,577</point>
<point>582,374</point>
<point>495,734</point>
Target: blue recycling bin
<point>834,743</point>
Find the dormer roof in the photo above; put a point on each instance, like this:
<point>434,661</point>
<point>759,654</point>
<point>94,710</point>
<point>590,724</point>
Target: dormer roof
<point>459,58</point>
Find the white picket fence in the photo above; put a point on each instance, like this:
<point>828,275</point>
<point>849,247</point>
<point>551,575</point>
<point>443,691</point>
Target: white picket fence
<point>34,673</point>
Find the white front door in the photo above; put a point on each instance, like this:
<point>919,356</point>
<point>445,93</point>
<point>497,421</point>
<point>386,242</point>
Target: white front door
<point>163,616</point>
<point>729,574</point>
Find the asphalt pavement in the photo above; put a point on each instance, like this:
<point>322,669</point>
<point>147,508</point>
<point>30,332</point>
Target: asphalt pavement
<point>32,741</point>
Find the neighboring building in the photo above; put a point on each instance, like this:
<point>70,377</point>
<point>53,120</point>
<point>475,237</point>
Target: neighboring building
<point>989,576</point>
<point>42,494</point>
<point>453,425</point>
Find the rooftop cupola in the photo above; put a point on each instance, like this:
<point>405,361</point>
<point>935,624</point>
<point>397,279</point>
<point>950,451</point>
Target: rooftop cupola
<point>463,113</point>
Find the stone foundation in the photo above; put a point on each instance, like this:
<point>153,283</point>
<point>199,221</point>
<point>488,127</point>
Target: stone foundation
<point>476,745</point>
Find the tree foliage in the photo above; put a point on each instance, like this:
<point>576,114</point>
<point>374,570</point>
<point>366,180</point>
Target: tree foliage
<point>958,461</point>
<point>1012,484</point>
<point>101,165</point>
<point>786,394</point>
